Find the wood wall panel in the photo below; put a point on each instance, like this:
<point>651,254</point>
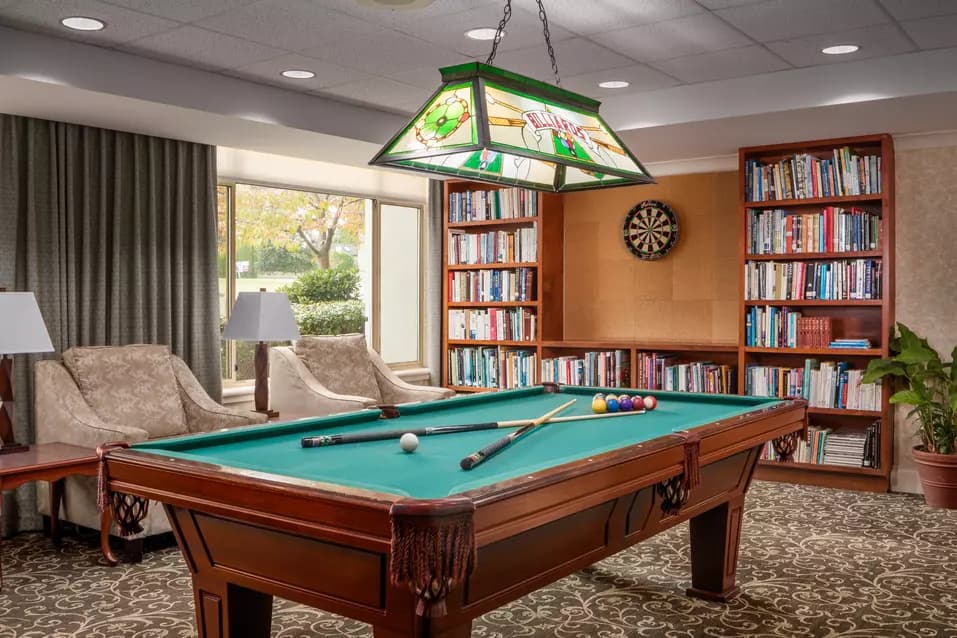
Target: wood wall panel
<point>690,295</point>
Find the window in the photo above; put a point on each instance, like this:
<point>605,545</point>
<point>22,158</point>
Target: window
<point>348,264</point>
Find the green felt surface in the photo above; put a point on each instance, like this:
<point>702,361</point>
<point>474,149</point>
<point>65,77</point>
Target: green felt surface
<point>433,470</point>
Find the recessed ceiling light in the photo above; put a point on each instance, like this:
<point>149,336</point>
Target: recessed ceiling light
<point>298,74</point>
<point>482,33</point>
<point>614,84</point>
<point>840,49</point>
<point>81,23</point>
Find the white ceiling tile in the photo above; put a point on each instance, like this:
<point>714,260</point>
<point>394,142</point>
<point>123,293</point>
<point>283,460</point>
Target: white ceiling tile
<point>122,25</point>
<point>605,15</point>
<point>876,41</point>
<point>382,93</point>
<point>913,9</point>
<point>673,38</point>
<point>198,47</point>
<point>291,24</point>
<point>327,73</point>
<point>933,33</point>
<point>182,10</point>
<point>781,19</point>
<point>523,30</point>
<point>639,76</point>
<point>721,65</point>
<point>385,52</point>
<point>399,17</point>
<point>426,77</point>
<point>724,4</point>
<point>574,56</point>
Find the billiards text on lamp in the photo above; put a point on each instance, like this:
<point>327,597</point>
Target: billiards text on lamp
<point>491,125</point>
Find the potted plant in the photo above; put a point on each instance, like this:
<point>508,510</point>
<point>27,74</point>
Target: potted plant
<point>931,388</point>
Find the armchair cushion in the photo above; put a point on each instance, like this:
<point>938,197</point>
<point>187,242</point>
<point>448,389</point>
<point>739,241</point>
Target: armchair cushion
<point>130,385</point>
<point>340,363</point>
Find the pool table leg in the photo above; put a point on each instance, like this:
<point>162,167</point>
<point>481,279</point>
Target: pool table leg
<point>425,629</point>
<point>714,551</point>
<point>224,610</point>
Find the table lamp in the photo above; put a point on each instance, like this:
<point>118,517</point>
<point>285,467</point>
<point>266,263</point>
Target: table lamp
<point>22,331</point>
<point>262,316</point>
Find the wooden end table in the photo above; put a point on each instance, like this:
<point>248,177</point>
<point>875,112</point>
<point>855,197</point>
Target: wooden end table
<point>51,462</point>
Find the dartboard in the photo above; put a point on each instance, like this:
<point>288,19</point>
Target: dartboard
<point>651,229</point>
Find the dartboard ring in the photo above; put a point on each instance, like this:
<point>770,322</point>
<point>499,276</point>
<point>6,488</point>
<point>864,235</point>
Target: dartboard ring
<point>650,230</point>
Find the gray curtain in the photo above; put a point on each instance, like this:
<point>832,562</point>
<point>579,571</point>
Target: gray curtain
<point>116,234</point>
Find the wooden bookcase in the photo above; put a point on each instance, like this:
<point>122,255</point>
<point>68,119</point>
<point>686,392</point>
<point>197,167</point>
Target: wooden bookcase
<point>865,318</point>
<point>547,302</point>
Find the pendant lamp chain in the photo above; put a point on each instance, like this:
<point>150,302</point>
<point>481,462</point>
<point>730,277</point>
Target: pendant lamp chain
<point>548,39</point>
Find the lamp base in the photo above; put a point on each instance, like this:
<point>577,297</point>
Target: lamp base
<point>11,448</point>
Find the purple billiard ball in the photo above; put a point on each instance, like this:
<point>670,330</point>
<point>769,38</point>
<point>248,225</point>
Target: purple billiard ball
<point>625,405</point>
<point>612,404</point>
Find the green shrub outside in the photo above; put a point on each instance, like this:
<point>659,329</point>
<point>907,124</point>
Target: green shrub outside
<point>330,317</point>
<point>316,286</point>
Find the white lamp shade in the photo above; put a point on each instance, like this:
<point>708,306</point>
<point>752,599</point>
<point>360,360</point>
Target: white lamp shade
<point>22,329</point>
<point>262,316</point>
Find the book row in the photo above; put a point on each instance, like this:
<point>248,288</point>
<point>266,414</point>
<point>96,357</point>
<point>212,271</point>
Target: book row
<point>826,384</point>
<point>841,279</point>
<point>847,449</point>
<point>493,324</point>
<point>802,176</point>
<point>775,232</point>
<point>668,372</point>
<point>774,327</point>
<point>495,247</point>
<point>490,367</point>
<point>485,205</point>
<point>492,285</point>
<point>606,369</point>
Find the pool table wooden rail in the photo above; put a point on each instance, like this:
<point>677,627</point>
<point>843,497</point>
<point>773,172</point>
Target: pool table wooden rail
<point>248,536</point>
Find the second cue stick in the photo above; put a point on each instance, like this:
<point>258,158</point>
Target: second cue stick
<point>325,440</point>
<point>495,447</point>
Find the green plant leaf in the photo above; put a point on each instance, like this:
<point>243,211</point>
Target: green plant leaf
<point>908,397</point>
<point>879,368</point>
<point>953,368</point>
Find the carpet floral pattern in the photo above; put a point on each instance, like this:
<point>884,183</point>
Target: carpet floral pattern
<point>814,563</point>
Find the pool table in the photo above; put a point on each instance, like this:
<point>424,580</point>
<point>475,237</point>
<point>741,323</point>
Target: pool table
<point>417,546</point>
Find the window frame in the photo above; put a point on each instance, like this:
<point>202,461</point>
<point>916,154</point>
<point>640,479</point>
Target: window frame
<point>376,240</point>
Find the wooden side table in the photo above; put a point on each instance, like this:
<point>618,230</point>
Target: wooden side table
<point>50,462</point>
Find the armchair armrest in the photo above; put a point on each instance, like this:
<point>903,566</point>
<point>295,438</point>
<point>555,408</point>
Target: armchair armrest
<point>62,414</point>
<point>395,390</point>
<point>294,389</point>
<point>202,413</point>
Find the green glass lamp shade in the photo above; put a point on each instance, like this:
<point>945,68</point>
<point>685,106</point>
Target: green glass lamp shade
<point>491,125</point>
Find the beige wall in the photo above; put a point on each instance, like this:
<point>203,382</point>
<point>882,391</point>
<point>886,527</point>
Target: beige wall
<point>692,294</point>
<point>926,277</point>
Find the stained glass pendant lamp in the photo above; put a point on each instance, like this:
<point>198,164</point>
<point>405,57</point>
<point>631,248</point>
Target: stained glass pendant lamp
<point>491,125</point>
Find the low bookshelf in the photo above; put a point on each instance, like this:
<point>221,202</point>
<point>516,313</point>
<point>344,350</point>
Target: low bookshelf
<point>817,254</point>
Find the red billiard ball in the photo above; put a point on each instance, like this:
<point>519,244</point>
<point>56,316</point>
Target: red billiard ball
<point>650,402</point>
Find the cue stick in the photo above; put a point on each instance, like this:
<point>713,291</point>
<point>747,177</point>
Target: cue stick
<point>495,447</point>
<point>325,440</point>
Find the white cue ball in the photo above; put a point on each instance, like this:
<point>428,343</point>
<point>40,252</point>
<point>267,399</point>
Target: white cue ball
<point>409,442</point>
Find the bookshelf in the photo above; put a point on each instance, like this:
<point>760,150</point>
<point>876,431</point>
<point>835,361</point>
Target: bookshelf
<point>857,283</point>
<point>536,282</point>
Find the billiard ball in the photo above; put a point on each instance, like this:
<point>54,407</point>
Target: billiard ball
<point>624,404</point>
<point>409,442</point>
<point>598,404</point>
<point>612,404</point>
<point>650,402</point>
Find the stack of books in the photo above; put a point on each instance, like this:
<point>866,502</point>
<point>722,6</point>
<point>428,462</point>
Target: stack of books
<point>856,344</point>
<point>801,176</point>
<point>825,384</point>
<point>488,367</point>
<point>841,279</point>
<point>814,332</point>
<point>493,324</point>
<point>658,371</point>
<point>496,247</point>
<point>776,232</point>
<point>503,203</point>
<point>824,446</point>
<point>492,285</point>
<point>605,369</point>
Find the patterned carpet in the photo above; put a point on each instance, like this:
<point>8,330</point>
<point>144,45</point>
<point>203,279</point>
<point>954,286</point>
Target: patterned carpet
<point>814,562</point>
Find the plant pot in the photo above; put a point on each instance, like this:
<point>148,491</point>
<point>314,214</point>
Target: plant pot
<point>938,475</point>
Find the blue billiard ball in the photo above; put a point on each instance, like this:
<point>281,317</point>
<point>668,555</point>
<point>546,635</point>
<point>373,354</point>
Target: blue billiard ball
<point>612,404</point>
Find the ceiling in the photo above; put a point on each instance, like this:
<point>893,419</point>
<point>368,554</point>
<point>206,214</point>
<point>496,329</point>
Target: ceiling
<point>388,58</point>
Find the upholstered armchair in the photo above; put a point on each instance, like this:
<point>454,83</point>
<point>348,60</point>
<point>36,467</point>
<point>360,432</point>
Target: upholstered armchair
<point>330,374</point>
<point>132,393</point>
